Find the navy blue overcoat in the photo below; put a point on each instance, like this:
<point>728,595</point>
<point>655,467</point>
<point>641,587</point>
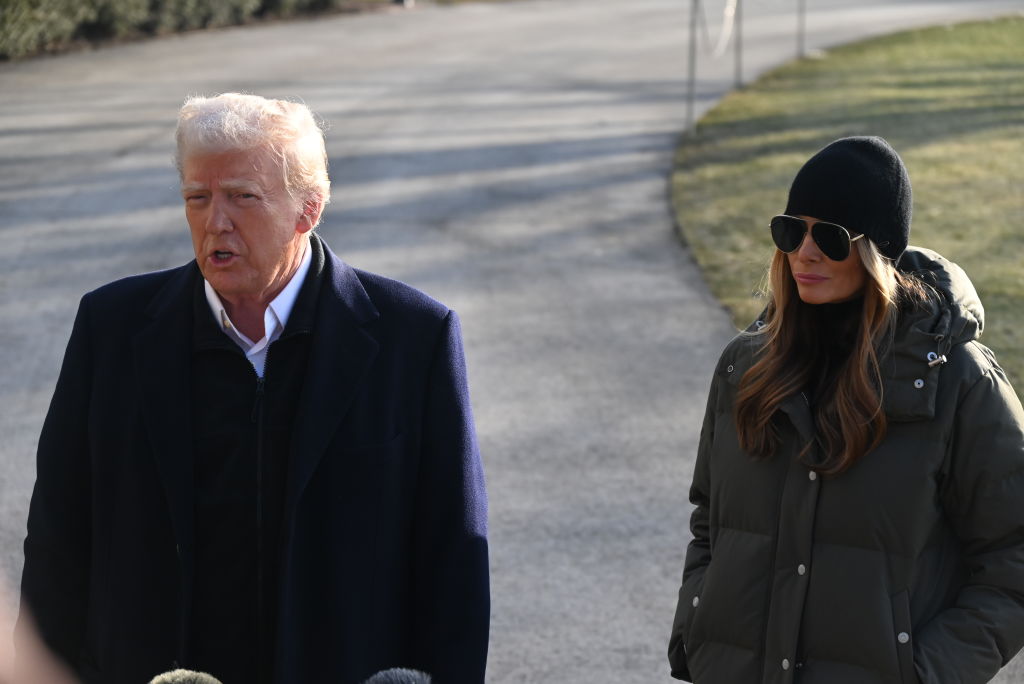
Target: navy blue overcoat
<point>384,558</point>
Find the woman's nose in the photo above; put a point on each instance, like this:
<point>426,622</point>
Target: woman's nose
<point>808,249</point>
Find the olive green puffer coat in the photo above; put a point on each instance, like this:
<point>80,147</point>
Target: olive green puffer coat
<point>908,568</point>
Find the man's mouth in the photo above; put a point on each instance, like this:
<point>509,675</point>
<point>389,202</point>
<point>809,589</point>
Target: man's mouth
<point>222,256</point>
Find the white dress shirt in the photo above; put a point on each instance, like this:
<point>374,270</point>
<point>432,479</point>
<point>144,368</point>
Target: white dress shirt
<point>274,318</point>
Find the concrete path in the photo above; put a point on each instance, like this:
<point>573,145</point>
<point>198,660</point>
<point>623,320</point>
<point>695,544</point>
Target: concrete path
<point>512,160</point>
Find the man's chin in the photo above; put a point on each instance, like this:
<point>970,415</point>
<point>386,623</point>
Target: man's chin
<point>227,285</point>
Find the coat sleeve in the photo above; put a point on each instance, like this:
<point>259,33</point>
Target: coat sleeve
<point>452,611</point>
<point>984,502</point>
<point>55,579</point>
<point>698,553</point>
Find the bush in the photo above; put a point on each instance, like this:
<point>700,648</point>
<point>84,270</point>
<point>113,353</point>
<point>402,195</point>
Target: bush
<point>282,8</point>
<point>114,19</point>
<point>30,26</point>
<point>230,12</point>
<point>169,16</point>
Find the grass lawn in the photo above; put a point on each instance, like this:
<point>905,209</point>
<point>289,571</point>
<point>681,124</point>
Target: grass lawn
<point>949,99</point>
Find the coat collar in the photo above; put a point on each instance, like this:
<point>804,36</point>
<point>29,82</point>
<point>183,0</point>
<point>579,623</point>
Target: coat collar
<point>913,361</point>
<point>795,406</point>
<point>161,355</point>
<point>341,352</point>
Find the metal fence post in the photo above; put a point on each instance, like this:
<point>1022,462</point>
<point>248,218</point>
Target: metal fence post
<point>690,92</point>
<point>738,23</point>
<point>801,28</point>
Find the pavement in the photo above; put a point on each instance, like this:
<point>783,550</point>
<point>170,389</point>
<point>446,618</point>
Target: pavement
<point>512,160</point>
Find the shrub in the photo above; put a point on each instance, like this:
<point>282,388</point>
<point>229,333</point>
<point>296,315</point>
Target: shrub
<point>114,19</point>
<point>30,26</point>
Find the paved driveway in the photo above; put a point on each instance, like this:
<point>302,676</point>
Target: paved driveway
<point>511,159</point>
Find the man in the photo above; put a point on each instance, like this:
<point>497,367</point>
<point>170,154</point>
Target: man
<point>262,464</point>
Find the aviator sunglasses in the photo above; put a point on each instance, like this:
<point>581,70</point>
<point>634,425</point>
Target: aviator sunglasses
<point>832,239</point>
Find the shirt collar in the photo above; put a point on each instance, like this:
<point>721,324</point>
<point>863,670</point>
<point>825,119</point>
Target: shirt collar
<point>278,311</point>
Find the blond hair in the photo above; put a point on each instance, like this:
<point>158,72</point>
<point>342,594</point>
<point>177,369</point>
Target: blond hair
<point>235,121</point>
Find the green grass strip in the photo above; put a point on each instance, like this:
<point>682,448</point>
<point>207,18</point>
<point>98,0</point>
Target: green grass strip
<point>950,99</point>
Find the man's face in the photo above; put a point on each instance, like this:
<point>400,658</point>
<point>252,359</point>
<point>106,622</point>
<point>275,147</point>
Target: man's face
<point>247,231</point>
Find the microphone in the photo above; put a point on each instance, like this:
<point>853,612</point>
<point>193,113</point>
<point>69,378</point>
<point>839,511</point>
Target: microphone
<point>184,677</point>
<point>399,675</point>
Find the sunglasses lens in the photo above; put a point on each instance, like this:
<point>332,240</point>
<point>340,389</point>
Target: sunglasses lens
<point>788,232</point>
<point>832,240</point>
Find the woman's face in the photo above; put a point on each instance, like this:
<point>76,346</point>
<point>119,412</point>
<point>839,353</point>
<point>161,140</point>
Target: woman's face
<point>819,280</point>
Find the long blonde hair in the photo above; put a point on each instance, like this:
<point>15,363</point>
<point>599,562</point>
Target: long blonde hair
<point>850,421</point>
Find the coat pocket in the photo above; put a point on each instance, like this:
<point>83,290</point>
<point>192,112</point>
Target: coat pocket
<point>681,643</point>
<point>903,634</point>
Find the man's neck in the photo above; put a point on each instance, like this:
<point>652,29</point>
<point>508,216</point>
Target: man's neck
<point>247,314</point>
<point>247,317</point>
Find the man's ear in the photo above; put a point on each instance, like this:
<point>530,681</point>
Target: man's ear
<point>312,209</point>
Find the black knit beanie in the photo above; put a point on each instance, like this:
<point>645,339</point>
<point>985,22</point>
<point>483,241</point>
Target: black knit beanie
<point>861,184</point>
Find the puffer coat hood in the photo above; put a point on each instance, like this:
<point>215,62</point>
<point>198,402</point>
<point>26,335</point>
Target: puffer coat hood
<point>953,317</point>
<point>907,568</point>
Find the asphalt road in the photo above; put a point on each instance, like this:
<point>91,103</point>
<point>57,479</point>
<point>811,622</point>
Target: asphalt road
<point>512,160</point>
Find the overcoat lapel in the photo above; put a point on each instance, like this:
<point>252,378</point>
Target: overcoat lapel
<point>341,353</point>
<point>162,358</point>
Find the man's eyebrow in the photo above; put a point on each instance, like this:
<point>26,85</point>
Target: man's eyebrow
<point>239,184</point>
<point>226,184</point>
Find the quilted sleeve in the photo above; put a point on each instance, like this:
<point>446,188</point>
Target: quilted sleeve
<point>984,502</point>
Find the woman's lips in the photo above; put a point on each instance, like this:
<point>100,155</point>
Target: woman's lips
<point>809,278</point>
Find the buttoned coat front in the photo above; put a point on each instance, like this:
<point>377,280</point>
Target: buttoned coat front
<point>384,557</point>
<point>908,568</point>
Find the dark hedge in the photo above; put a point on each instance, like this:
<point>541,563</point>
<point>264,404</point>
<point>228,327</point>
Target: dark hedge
<point>29,27</point>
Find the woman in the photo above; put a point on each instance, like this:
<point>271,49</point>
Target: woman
<point>859,485</point>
